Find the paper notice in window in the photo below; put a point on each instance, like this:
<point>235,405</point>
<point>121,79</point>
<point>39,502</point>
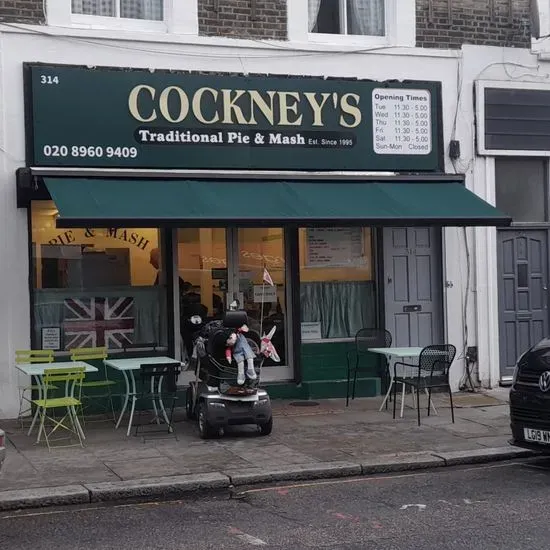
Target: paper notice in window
<point>265,293</point>
<point>51,338</point>
<point>335,247</point>
<point>311,331</point>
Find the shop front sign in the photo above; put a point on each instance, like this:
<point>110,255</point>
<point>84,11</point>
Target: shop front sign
<point>134,238</point>
<point>113,118</point>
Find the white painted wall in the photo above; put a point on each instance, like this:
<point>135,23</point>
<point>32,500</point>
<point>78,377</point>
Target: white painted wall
<point>14,269</point>
<point>80,47</point>
<point>497,64</point>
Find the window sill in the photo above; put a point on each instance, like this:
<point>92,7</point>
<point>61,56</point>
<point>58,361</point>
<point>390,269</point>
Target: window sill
<point>183,36</point>
<point>112,23</point>
<point>146,352</point>
<point>541,48</point>
<point>329,341</point>
<point>348,40</point>
<point>528,225</point>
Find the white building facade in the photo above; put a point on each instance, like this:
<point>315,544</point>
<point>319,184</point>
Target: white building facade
<point>458,305</point>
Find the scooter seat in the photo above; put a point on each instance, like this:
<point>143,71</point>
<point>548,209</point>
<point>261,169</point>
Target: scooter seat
<point>235,319</point>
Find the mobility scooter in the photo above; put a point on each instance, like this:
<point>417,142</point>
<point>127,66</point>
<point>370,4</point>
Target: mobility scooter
<point>221,395</point>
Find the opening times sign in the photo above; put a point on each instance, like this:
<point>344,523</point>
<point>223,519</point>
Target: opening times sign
<point>122,118</point>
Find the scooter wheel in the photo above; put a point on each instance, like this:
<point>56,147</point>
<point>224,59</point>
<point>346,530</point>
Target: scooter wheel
<point>206,430</point>
<point>190,412</point>
<point>267,428</point>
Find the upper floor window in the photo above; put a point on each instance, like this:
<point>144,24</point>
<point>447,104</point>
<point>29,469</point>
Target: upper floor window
<point>521,188</point>
<point>176,17</point>
<point>352,17</point>
<point>353,23</point>
<point>148,10</point>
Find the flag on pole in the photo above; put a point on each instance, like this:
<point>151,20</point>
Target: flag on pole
<point>267,277</point>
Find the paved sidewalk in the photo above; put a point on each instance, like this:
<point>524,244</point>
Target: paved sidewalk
<point>323,436</point>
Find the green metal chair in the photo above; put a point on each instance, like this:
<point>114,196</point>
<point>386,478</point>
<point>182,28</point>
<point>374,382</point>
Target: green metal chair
<point>23,356</point>
<point>72,378</point>
<point>89,354</point>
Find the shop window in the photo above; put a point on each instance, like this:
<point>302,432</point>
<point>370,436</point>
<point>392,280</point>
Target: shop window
<point>209,280</point>
<point>263,250</point>
<point>520,187</point>
<point>202,267</point>
<point>95,287</point>
<point>337,282</point>
<point>149,10</point>
<point>353,17</point>
<point>203,279</point>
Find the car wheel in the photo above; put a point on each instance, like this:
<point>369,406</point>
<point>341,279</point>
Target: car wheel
<point>266,429</point>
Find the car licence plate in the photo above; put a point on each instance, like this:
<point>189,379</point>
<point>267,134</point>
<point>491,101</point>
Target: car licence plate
<point>537,436</point>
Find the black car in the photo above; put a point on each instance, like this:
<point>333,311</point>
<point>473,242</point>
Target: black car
<point>530,399</point>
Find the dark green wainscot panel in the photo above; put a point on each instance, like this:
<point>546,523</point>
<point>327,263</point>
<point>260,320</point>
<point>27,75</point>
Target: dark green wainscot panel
<point>324,373</point>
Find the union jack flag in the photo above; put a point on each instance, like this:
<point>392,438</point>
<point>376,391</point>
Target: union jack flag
<point>92,322</point>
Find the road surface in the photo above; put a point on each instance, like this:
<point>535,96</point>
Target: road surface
<point>500,506</point>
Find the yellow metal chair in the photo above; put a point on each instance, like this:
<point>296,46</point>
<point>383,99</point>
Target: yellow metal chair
<point>72,378</point>
<point>89,354</point>
<point>25,356</point>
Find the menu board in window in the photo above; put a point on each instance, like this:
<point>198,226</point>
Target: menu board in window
<point>335,247</point>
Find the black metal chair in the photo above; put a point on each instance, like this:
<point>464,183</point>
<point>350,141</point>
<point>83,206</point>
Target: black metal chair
<point>364,339</point>
<point>434,364</point>
<point>159,383</point>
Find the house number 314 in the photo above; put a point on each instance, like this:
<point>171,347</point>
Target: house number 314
<point>48,79</point>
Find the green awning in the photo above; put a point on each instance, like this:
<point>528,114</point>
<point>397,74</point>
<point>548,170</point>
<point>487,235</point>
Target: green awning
<point>95,202</point>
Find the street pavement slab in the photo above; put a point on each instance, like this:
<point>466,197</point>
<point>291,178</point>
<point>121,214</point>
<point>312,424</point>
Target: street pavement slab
<point>324,439</point>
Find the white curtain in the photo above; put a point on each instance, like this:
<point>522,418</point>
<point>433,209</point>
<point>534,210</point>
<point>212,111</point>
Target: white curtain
<point>151,10</point>
<point>313,7</point>
<point>366,17</point>
<point>342,308</point>
<point>94,7</point>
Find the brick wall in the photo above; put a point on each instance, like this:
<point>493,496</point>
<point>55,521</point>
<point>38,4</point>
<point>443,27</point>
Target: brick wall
<point>451,23</point>
<point>21,11</point>
<point>263,19</point>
